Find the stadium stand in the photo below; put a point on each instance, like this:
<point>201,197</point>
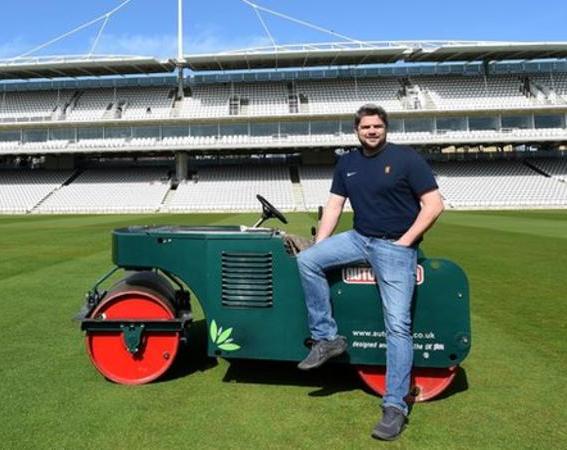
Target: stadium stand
<point>316,182</point>
<point>556,168</point>
<point>110,191</point>
<point>554,85</point>
<point>22,190</point>
<point>471,185</point>
<point>147,103</point>
<point>9,146</point>
<point>264,99</point>
<point>457,93</point>
<point>326,97</point>
<point>206,101</point>
<point>511,115</point>
<point>497,184</point>
<point>86,104</point>
<point>233,189</point>
<point>32,106</point>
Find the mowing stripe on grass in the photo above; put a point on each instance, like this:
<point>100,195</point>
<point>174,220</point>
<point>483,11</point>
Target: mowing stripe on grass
<point>532,224</point>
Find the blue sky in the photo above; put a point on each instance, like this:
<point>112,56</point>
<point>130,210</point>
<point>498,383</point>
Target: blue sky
<point>148,27</point>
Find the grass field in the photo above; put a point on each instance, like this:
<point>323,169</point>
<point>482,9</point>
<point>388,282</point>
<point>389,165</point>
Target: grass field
<point>511,393</point>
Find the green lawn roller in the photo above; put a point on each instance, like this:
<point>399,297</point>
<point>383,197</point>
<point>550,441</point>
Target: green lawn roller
<point>247,283</point>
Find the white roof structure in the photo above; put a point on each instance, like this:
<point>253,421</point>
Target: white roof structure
<point>364,53</point>
<point>302,55</point>
<point>490,51</point>
<point>81,66</point>
<point>285,56</point>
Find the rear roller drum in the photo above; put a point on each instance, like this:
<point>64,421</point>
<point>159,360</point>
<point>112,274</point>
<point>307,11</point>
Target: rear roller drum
<point>113,356</point>
<point>426,382</point>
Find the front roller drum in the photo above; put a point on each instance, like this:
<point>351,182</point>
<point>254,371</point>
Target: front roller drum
<point>426,382</point>
<point>110,351</point>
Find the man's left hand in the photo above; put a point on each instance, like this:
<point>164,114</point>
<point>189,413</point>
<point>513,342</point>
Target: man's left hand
<point>403,242</point>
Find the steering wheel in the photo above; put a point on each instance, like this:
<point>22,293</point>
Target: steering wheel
<point>269,210</point>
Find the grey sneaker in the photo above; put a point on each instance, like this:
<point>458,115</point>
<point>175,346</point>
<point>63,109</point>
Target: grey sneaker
<point>322,351</point>
<point>391,426</point>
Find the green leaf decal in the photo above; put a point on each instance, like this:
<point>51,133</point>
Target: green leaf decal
<point>213,331</point>
<point>224,335</point>
<point>229,347</point>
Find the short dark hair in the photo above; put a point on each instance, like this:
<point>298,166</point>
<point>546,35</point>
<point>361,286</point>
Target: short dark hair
<point>370,109</point>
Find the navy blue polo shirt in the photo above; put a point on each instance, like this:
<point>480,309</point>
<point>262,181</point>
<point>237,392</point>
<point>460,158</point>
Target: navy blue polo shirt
<point>383,189</point>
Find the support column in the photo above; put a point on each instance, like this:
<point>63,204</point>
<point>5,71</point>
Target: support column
<point>181,159</point>
<point>486,67</point>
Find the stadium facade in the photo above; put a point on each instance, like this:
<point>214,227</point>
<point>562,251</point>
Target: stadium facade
<point>208,132</point>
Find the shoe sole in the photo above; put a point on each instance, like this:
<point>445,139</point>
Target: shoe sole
<point>333,354</point>
<point>386,438</point>
<point>381,437</point>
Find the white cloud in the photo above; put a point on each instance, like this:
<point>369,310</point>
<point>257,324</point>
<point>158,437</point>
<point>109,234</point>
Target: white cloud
<point>165,45</point>
<point>205,40</point>
<point>210,39</point>
<point>133,44</point>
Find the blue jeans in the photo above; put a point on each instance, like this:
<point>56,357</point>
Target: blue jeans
<point>395,268</point>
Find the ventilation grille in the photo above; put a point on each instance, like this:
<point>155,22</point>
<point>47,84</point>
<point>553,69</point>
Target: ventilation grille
<point>247,280</point>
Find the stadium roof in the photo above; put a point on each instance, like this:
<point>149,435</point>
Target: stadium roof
<point>360,53</point>
<point>290,56</point>
<point>305,55</point>
<point>81,66</point>
<point>490,51</point>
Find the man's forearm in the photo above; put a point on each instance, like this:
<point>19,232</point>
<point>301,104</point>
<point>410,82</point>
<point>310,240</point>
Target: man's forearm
<point>331,214</point>
<point>328,223</point>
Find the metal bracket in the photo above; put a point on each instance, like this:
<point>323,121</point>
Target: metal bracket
<point>94,296</point>
<point>133,330</point>
<point>132,335</point>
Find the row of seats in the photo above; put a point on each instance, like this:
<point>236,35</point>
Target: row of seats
<point>556,168</point>
<point>497,184</point>
<point>273,98</point>
<point>318,139</point>
<point>110,191</point>
<point>21,190</point>
<point>475,184</point>
<point>234,189</point>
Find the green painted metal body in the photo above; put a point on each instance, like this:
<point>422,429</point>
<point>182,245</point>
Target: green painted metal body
<point>247,281</point>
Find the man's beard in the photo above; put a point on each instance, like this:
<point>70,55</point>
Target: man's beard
<point>373,149</point>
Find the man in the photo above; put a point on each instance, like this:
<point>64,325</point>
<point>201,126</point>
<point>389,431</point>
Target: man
<point>395,199</point>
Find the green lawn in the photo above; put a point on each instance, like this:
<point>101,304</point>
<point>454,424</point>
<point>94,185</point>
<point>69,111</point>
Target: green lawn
<point>510,395</point>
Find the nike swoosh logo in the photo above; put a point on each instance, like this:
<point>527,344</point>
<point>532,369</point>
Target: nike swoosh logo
<point>350,174</point>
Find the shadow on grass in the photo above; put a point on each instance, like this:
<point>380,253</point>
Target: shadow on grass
<point>192,357</point>
<point>460,384</point>
<point>329,379</point>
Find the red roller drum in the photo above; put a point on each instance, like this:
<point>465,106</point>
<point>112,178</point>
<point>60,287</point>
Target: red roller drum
<point>426,382</point>
<point>107,349</point>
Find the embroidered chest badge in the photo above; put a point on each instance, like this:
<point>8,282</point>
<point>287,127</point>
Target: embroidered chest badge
<point>387,170</point>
